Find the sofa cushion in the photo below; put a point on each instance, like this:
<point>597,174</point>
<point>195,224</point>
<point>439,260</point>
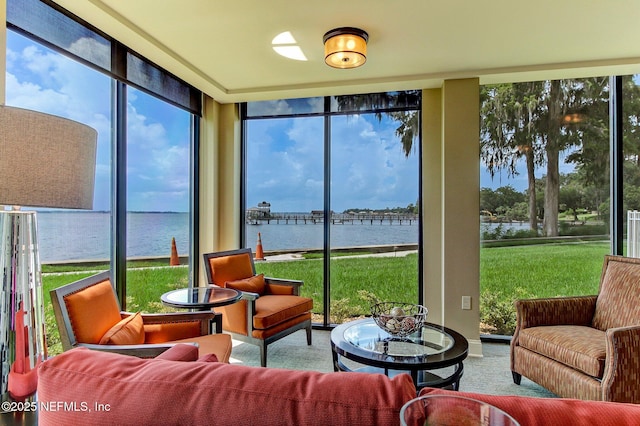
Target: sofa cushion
<point>140,391</point>
<point>92,311</point>
<point>273,310</point>
<point>254,284</point>
<point>128,331</point>
<point>582,348</point>
<point>619,290</point>
<point>530,411</point>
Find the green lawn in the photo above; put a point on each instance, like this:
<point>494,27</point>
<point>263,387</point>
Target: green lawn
<point>506,273</point>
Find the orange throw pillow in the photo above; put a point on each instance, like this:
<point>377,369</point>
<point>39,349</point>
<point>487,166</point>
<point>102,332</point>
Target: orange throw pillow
<point>129,331</point>
<point>253,284</point>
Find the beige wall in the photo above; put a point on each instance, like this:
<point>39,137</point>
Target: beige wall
<point>451,202</point>
<point>219,179</point>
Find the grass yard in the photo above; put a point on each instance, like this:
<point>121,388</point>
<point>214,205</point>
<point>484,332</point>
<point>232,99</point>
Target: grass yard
<point>506,274</point>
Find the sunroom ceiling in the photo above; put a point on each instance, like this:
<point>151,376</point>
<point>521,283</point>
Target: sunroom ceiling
<point>225,48</point>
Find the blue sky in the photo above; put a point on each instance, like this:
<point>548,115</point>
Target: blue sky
<point>369,169</point>
<point>158,134</point>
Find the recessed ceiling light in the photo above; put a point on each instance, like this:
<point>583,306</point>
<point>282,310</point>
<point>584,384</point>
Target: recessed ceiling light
<point>284,44</point>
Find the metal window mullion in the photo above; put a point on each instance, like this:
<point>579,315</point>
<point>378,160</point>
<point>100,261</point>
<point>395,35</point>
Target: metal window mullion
<point>617,162</point>
<point>327,215</point>
<point>119,191</point>
<point>194,202</point>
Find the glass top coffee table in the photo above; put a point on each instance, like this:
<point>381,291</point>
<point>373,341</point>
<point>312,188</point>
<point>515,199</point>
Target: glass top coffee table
<point>201,298</point>
<point>433,347</point>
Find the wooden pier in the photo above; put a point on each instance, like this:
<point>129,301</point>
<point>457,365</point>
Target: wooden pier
<point>335,219</point>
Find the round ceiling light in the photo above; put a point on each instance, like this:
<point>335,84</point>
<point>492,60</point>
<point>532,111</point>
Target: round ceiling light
<point>345,47</point>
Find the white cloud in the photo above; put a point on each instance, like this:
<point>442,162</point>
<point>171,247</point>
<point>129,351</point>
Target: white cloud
<point>369,168</point>
<point>158,160</point>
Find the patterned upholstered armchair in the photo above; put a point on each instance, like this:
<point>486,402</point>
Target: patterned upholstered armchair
<point>584,347</point>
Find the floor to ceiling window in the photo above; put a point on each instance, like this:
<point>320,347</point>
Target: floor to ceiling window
<point>332,193</point>
<point>158,184</point>
<point>544,193</point>
<point>145,119</point>
<point>43,80</point>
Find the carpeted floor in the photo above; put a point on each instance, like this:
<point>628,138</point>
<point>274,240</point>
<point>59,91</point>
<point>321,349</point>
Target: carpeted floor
<point>488,374</point>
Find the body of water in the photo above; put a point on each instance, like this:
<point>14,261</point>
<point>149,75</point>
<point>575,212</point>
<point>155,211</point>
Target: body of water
<point>79,235</point>
<point>72,235</point>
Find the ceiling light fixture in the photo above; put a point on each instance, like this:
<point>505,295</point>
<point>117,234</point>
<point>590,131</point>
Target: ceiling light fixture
<point>345,47</point>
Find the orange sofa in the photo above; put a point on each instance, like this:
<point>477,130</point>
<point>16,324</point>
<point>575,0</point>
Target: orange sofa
<point>90,387</point>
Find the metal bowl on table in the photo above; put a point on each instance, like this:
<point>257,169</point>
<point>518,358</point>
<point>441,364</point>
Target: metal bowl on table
<point>399,319</point>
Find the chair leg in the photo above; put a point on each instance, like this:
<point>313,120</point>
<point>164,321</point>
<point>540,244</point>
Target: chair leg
<point>309,335</point>
<point>517,377</point>
<point>263,354</point>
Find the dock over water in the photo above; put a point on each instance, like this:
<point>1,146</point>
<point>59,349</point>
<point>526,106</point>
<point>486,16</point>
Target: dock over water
<point>335,219</point>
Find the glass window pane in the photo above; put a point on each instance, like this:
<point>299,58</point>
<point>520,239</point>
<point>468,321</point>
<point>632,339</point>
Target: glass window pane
<point>284,107</point>
<point>43,80</point>
<point>376,101</point>
<point>48,24</point>
<point>158,164</point>
<point>284,199</point>
<point>544,199</point>
<point>374,220</point>
<point>40,79</point>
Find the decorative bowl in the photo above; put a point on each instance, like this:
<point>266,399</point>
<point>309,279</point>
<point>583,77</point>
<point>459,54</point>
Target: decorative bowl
<point>399,319</point>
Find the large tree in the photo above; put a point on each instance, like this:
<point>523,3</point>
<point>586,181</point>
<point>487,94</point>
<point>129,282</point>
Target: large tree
<point>538,121</point>
<point>508,133</point>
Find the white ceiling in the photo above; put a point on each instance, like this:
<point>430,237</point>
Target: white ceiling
<point>223,47</point>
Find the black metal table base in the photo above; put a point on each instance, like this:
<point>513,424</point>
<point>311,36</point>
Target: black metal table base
<point>421,378</point>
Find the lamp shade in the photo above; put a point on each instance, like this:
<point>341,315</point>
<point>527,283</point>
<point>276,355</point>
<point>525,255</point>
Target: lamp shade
<point>45,160</point>
<point>345,47</point>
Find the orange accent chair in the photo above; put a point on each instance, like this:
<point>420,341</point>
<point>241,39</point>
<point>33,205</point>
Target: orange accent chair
<point>270,308</point>
<point>88,314</point>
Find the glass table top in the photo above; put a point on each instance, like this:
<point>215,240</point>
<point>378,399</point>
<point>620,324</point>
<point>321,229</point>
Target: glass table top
<point>369,337</point>
<point>210,296</point>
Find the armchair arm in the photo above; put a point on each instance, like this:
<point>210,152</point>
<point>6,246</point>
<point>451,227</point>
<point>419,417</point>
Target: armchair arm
<point>283,286</point>
<point>621,371</point>
<point>140,351</point>
<point>578,310</point>
<point>175,323</point>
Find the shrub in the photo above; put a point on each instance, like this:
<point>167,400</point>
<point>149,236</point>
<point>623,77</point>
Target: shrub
<point>497,312</point>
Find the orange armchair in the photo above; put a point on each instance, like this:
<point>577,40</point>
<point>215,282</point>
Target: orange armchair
<point>88,314</point>
<point>270,308</point>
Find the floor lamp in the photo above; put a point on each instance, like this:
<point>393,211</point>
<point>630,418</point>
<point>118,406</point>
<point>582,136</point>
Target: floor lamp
<point>45,161</point>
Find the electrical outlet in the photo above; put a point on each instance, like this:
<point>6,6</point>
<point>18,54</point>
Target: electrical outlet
<point>466,302</point>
